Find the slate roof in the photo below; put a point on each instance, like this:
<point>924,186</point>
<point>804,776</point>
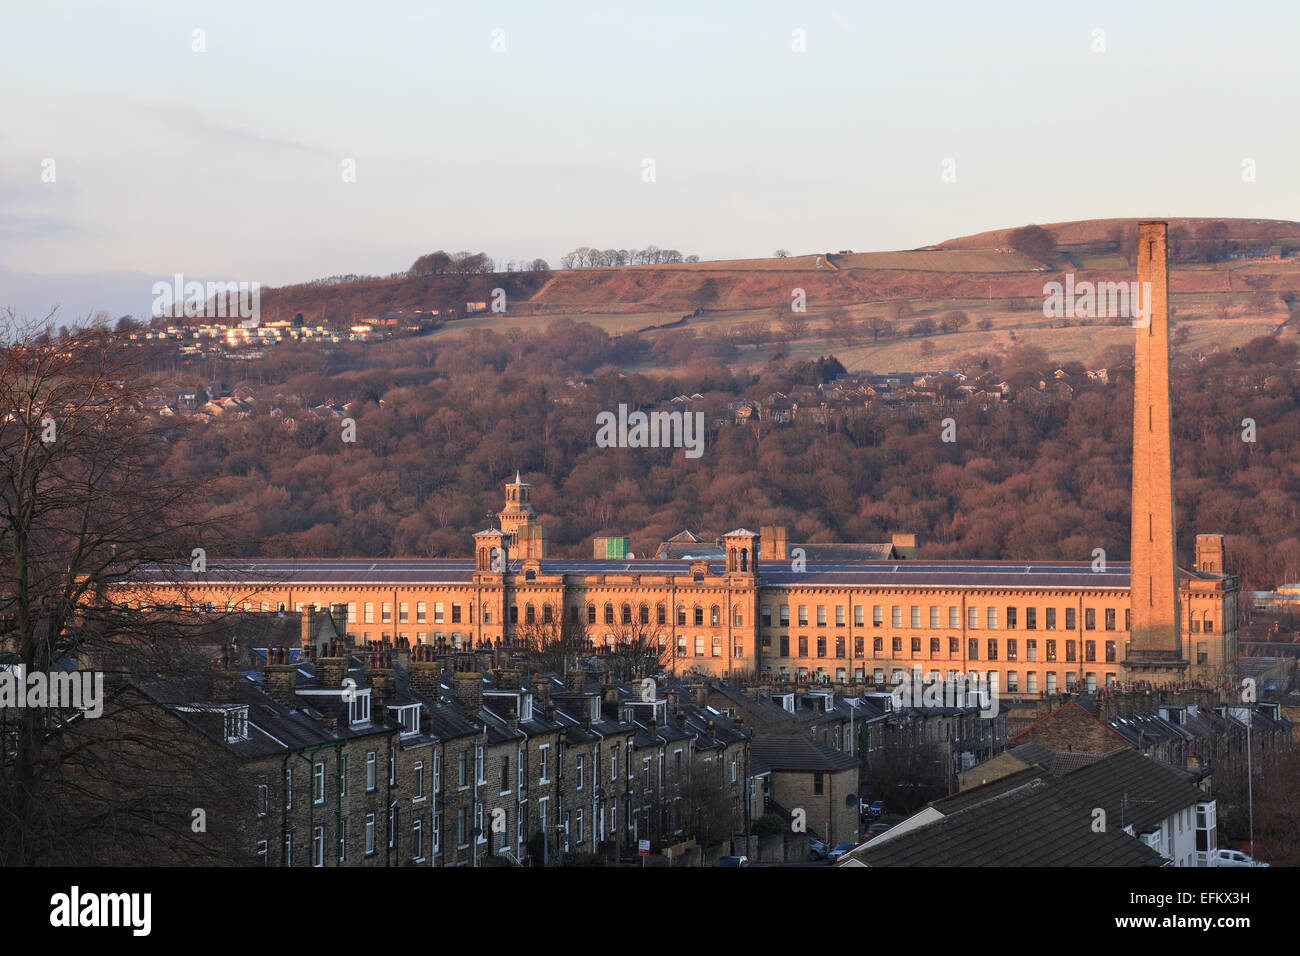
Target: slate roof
<point>969,797</point>
<point>1055,762</point>
<point>272,728</point>
<point>1035,823</point>
<point>800,754</point>
<point>831,571</point>
<point>1133,789</point>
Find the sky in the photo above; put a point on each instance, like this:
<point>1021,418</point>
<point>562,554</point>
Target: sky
<point>133,148</point>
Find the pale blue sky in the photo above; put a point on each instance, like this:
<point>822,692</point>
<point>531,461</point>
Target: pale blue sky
<point>226,164</point>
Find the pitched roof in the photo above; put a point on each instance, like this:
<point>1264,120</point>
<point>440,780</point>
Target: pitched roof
<point>1055,762</point>
<point>1133,789</point>
<point>801,754</point>
<point>1035,823</point>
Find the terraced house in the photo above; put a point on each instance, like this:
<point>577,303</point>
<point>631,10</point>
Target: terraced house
<point>395,756</point>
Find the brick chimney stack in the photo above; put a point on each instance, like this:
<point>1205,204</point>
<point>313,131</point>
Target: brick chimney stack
<point>332,666</point>
<point>402,653</point>
<point>380,675</point>
<point>508,679</point>
<point>467,690</point>
<point>426,671</point>
<point>280,677</point>
<point>225,676</point>
<point>339,614</point>
<point>541,690</point>
<point>310,620</point>
<point>576,681</point>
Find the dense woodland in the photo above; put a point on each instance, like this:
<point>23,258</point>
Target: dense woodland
<point>441,426</point>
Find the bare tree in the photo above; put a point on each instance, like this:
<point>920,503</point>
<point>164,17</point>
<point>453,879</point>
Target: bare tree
<point>635,647</point>
<point>552,645</point>
<point>83,512</point>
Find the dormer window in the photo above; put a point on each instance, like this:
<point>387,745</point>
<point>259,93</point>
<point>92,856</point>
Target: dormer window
<point>236,724</point>
<point>359,707</point>
<point>409,718</point>
<point>526,707</point>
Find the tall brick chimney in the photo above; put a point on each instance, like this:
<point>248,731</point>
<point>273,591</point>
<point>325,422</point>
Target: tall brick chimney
<point>426,671</point>
<point>508,679</point>
<point>1155,651</point>
<point>576,681</point>
<point>280,677</point>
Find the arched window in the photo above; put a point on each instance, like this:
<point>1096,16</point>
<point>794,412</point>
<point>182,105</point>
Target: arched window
<point>644,614</point>
<point>661,615</point>
<point>487,614</point>
<point>530,575</point>
<point>609,614</point>
<point>530,616</point>
<point>591,614</point>
<point>681,615</point>
<point>713,616</point>
<point>546,614</point>
<point>627,614</point>
<point>699,616</point>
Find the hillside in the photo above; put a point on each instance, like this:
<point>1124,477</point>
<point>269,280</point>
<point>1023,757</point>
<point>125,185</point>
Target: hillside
<point>1234,296</point>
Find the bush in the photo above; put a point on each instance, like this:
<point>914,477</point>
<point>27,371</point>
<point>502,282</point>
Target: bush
<point>768,824</point>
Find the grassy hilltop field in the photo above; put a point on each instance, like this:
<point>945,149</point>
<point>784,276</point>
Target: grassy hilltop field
<point>1231,281</point>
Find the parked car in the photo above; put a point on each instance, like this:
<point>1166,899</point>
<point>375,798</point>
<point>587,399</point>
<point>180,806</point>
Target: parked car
<point>1235,858</point>
<point>732,861</point>
<point>839,850</point>
<point>817,849</point>
<point>877,808</point>
<point>876,829</point>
